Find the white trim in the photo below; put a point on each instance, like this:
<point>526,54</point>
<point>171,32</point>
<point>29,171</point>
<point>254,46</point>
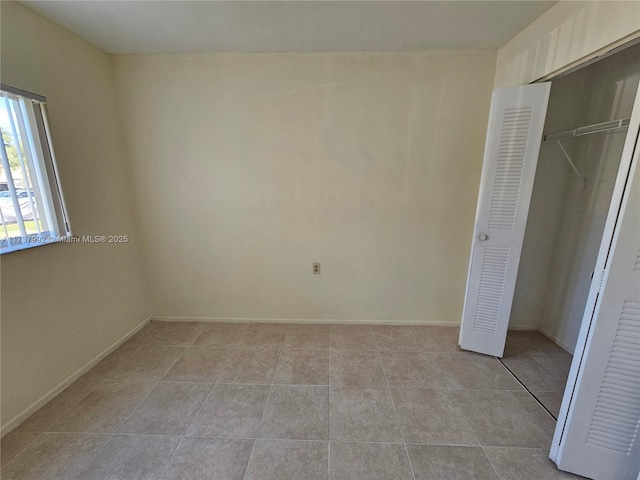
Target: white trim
<point>524,328</point>
<point>619,199</point>
<point>56,172</point>
<point>593,57</point>
<point>346,321</point>
<point>31,409</point>
<point>555,340</point>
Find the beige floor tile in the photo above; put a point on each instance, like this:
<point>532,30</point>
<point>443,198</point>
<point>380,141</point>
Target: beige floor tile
<point>131,457</point>
<point>168,409</point>
<point>250,366</point>
<point>220,335</point>
<point>551,400</point>
<point>175,334</point>
<point>54,456</point>
<point>104,409</point>
<point>498,419</point>
<point>210,459</point>
<point>199,365</point>
<point>563,360</point>
<point>391,337</point>
<point>158,384</point>
<point>105,368</point>
<point>431,416</point>
<point>263,335</point>
<point>370,461</point>
<point>444,462</point>
<point>362,415</point>
<point>538,414</point>
<point>448,330</point>
<point>530,343</point>
<point>148,362</point>
<point>231,411</point>
<point>438,338</point>
<point>538,372</point>
<point>357,368</point>
<point>306,341</point>
<point>289,460</point>
<point>351,337</point>
<point>410,369</point>
<point>13,443</point>
<point>303,367</point>
<point>520,343</point>
<point>525,464</point>
<point>59,405</point>
<point>466,370</point>
<point>296,413</point>
<point>308,328</point>
<point>542,343</point>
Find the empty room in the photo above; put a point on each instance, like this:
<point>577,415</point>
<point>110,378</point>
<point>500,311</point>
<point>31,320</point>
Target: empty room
<point>320,240</point>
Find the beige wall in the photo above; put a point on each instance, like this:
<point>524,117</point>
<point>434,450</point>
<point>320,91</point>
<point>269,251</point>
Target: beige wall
<point>64,304</point>
<point>249,167</point>
<point>568,33</point>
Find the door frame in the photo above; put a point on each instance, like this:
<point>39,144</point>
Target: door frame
<point>628,163</point>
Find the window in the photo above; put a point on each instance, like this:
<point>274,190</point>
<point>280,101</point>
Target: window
<point>32,208</point>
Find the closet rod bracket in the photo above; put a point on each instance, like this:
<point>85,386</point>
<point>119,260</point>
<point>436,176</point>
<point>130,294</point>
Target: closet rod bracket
<point>573,166</point>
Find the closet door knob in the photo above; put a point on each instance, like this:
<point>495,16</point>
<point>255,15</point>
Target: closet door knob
<point>483,237</point>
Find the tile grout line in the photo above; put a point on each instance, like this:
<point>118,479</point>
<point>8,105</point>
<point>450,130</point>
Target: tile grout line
<point>395,411</point>
<point>39,434</point>
<point>474,432</point>
<point>112,434</point>
<point>58,417</point>
<point>467,422</point>
<point>526,389</point>
<point>223,437</point>
<point>266,404</point>
<point>329,414</point>
<point>375,341</point>
<point>492,466</point>
<point>281,351</point>
<point>94,455</point>
<point>184,435</point>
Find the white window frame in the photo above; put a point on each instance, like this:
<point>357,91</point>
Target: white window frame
<point>45,200</point>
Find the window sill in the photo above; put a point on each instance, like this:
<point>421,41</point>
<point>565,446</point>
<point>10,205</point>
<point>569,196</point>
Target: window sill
<point>16,244</point>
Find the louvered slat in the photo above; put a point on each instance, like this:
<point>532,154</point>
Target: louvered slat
<point>510,167</point>
<point>492,279</point>
<point>616,417</point>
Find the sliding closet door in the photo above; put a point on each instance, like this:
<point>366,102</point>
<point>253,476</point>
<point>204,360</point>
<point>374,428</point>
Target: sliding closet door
<point>597,432</point>
<point>514,135</point>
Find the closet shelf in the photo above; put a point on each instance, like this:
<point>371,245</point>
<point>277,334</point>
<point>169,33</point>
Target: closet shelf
<point>589,129</point>
<point>586,130</point>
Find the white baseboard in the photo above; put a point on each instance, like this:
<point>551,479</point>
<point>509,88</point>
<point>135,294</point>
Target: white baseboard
<point>27,412</point>
<point>339,321</point>
<point>526,328</point>
<point>555,340</point>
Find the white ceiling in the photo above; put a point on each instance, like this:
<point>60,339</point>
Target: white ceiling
<point>126,27</point>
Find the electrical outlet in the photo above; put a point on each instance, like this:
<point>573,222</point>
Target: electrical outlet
<point>316,268</point>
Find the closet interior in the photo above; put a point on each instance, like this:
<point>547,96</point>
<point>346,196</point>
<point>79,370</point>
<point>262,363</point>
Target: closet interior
<point>585,130</point>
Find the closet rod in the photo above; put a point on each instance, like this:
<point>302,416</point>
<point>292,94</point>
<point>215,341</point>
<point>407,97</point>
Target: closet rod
<point>589,129</point>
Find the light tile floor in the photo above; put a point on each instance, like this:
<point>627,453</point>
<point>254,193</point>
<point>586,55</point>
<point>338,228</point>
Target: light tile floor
<point>540,365</point>
<point>277,402</point>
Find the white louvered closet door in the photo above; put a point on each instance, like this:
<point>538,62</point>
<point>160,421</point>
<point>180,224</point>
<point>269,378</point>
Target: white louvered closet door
<point>514,134</point>
<point>598,427</point>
